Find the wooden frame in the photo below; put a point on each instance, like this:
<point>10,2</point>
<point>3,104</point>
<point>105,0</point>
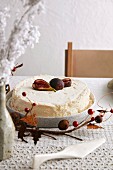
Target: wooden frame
<point>88,63</point>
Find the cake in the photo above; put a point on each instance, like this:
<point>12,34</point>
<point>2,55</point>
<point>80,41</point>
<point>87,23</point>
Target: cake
<point>68,101</point>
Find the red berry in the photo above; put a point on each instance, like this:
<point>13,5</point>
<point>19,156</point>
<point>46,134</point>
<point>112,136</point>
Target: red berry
<point>101,115</point>
<point>26,109</point>
<point>111,110</point>
<point>75,123</point>
<point>92,119</point>
<point>23,93</point>
<point>14,69</point>
<point>34,104</point>
<point>90,111</point>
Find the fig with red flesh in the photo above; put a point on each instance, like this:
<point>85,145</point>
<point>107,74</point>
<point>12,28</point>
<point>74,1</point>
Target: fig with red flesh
<point>67,82</point>
<point>42,85</point>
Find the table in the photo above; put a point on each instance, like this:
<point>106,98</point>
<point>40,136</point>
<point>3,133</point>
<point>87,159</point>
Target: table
<point>100,159</point>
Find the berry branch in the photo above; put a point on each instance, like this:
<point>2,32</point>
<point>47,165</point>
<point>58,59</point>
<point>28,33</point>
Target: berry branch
<point>15,68</point>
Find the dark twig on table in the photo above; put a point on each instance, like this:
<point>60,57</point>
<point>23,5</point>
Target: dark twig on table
<point>49,136</point>
<point>73,137</point>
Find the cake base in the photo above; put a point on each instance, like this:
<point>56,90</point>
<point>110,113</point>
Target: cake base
<point>53,122</point>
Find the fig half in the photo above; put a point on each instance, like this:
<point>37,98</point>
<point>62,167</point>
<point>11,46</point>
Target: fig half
<point>42,85</point>
<point>67,82</point>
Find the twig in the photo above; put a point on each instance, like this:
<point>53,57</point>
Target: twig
<point>102,98</point>
<point>84,119</point>
<point>107,118</point>
<point>49,136</point>
<point>73,137</point>
<point>59,132</point>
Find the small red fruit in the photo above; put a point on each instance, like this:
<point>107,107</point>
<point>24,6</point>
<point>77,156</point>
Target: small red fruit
<point>14,69</point>
<point>75,123</point>
<point>102,115</point>
<point>34,104</point>
<point>111,110</point>
<point>23,93</point>
<point>92,119</point>
<point>26,109</point>
<point>90,111</point>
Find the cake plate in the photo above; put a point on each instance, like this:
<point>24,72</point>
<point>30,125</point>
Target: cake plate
<point>52,122</point>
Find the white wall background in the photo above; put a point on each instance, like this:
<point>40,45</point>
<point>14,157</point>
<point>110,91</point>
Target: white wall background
<point>88,23</point>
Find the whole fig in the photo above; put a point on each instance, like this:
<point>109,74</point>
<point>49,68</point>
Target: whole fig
<point>57,84</point>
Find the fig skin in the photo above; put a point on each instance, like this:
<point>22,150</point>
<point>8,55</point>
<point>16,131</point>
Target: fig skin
<point>67,82</point>
<point>56,83</point>
<point>42,85</point>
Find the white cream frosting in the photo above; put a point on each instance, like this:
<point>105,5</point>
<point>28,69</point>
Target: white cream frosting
<point>65,102</point>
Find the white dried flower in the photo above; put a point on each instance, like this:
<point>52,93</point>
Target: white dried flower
<point>4,14</point>
<point>23,34</point>
<point>30,2</point>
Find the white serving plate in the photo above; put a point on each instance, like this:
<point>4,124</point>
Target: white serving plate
<point>52,122</point>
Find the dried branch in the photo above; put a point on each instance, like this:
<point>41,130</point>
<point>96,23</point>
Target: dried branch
<point>49,136</point>
<point>73,137</point>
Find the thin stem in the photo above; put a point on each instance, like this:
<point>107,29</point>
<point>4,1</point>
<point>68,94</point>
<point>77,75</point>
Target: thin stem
<point>107,118</point>
<point>20,65</point>
<point>25,13</point>
<point>102,98</point>
<point>30,108</point>
<point>73,137</point>
<point>49,136</point>
<point>84,119</point>
<point>29,101</point>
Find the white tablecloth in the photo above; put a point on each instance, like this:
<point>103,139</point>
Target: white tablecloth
<point>100,159</point>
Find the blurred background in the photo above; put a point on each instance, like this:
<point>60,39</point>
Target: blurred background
<point>88,24</point>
